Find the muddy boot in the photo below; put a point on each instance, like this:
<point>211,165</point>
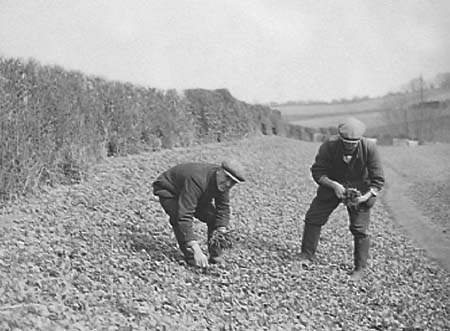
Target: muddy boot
<point>215,255</point>
<point>361,255</point>
<point>305,260</point>
<point>357,275</point>
<point>310,240</point>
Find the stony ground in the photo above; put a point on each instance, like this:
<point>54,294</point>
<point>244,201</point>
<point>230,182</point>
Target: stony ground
<point>101,256</point>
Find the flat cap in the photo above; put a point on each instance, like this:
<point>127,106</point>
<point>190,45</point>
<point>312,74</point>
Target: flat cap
<point>351,129</point>
<point>234,170</point>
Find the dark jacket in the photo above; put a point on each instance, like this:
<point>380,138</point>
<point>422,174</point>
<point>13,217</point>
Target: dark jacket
<point>194,186</point>
<point>363,172</point>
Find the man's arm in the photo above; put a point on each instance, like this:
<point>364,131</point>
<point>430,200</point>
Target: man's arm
<point>375,170</point>
<point>187,203</point>
<point>375,173</point>
<point>222,204</point>
<point>321,168</point>
<point>322,163</point>
<point>338,188</point>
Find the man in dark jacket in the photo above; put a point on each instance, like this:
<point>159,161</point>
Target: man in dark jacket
<point>345,161</point>
<point>188,190</point>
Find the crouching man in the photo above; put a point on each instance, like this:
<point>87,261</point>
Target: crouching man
<point>199,190</point>
<point>344,162</point>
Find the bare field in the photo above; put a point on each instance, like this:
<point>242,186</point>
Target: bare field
<point>424,162</point>
<point>426,171</point>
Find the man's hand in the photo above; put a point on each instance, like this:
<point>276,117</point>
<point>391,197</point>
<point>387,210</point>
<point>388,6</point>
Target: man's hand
<point>354,198</point>
<point>363,198</point>
<point>200,259</point>
<point>220,238</point>
<point>339,190</point>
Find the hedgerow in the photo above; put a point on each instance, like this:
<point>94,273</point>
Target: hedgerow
<point>55,122</point>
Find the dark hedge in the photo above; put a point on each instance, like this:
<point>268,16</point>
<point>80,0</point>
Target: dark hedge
<point>55,122</point>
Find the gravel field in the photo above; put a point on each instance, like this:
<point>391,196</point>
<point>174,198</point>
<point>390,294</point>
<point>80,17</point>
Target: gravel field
<point>101,256</point>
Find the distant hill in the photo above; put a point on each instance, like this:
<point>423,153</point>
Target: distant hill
<point>417,90</point>
<point>370,110</point>
<point>294,111</point>
<point>417,115</point>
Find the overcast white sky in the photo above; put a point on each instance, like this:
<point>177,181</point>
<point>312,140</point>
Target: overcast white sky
<point>266,50</point>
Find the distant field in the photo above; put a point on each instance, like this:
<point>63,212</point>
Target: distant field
<point>371,119</point>
<point>314,110</point>
<point>371,111</point>
<point>315,116</point>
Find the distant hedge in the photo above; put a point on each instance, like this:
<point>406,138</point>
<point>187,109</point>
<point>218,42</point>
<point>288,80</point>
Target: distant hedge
<point>55,122</point>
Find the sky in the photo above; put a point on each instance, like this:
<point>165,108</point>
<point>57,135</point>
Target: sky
<point>261,51</point>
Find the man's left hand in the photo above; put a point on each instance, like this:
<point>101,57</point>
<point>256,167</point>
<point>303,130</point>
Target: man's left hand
<point>220,238</point>
<point>353,198</point>
<point>363,198</point>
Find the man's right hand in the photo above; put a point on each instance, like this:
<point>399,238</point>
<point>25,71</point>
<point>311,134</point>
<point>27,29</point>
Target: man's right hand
<point>200,259</point>
<point>339,190</point>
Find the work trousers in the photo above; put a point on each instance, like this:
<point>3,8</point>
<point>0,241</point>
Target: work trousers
<point>317,216</point>
<point>205,213</point>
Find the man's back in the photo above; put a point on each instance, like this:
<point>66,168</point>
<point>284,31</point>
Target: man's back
<point>175,179</point>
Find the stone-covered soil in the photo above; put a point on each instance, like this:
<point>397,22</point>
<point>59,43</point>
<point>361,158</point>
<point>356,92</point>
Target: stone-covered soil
<point>101,256</point>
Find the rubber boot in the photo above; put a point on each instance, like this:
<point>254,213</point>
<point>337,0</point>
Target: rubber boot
<point>310,240</point>
<point>361,255</point>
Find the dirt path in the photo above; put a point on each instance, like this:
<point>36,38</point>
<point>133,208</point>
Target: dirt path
<point>418,226</point>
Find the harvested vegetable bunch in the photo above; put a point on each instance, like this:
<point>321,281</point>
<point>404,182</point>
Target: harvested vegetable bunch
<point>221,238</point>
<point>351,197</point>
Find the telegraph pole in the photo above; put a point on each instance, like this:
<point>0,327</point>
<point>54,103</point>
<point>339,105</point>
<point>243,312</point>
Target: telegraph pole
<point>421,88</point>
